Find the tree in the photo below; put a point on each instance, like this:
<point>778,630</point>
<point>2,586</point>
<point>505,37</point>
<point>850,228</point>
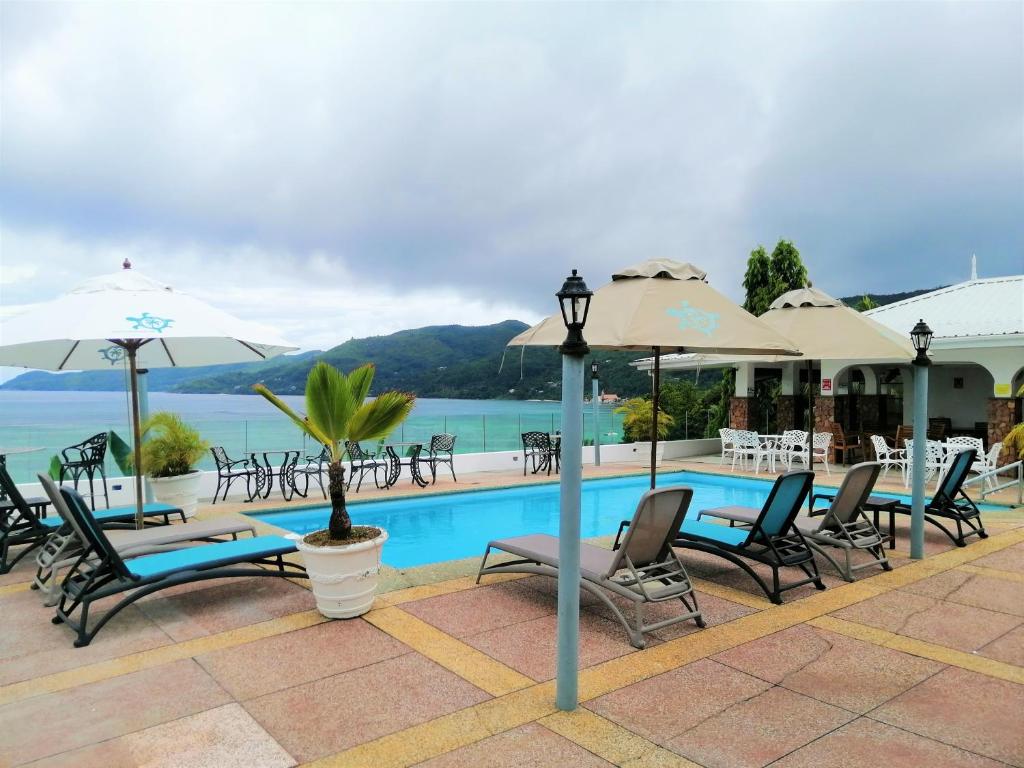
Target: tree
<point>758,282</point>
<point>787,270</point>
<point>639,412</point>
<point>336,411</point>
<point>866,303</point>
<point>768,277</point>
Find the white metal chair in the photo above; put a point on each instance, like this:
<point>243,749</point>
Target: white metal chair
<point>728,443</point>
<point>745,446</point>
<point>936,460</point>
<point>819,451</point>
<point>791,445</point>
<point>988,462</point>
<point>889,457</point>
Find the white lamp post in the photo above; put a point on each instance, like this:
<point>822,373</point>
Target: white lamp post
<point>921,336</point>
<point>574,299</point>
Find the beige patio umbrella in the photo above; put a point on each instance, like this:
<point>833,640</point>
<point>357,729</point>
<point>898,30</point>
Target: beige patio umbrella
<point>664,306</point>
<point>823,328</point>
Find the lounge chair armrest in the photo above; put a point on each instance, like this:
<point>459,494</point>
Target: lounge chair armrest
<point>622,527</point>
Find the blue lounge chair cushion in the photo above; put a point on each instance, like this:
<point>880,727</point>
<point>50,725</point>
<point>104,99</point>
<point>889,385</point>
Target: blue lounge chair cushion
<point>209,556</point>
<point>116,513</point>
<point>723,534</point>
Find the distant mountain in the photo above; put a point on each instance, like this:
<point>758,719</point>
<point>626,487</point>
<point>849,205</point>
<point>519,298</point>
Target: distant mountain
<point>450,361</point>
<point>881,299</point>
<point>160,379</point>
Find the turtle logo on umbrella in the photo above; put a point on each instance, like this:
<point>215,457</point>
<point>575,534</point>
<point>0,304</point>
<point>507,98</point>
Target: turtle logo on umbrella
<point>692,317</point>
<point>147,322</point>
<point>113,353</point>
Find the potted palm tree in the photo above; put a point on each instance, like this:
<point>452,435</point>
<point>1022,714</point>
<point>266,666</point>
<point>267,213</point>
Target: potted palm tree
<point>170,453</point>
<point>343,561</point>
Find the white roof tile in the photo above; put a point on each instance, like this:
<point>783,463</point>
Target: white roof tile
<point>990,307</point>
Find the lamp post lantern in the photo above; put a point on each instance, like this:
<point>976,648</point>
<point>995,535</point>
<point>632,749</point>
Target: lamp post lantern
<point>595,401</point>
<point>574,300</point>
<point>921,337</point>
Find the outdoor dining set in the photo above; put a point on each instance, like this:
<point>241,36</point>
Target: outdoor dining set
<point>295,472</point>
<point>781,451</point>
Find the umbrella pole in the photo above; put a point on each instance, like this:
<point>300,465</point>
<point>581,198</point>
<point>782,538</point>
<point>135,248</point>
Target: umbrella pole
<point>132,347</point>
<point>655,396</point>
<point>810,415</point>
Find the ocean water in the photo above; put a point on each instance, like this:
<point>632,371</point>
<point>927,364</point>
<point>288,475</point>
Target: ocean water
<point>242,423</point>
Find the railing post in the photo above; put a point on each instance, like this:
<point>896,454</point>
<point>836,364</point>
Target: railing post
<point>483,421</point>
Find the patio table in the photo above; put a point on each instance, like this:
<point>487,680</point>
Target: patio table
<point>266,471</point>
<point>396,462</point>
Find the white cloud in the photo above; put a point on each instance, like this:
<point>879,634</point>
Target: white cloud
<point>412,159</point>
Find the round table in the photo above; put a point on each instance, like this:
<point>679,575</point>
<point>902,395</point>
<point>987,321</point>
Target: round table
<point>395,463</point>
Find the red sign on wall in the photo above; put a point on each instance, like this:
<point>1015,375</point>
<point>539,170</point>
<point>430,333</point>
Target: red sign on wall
<point>826,385</point>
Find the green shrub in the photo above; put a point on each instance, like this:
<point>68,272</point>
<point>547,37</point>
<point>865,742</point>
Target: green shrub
<point>173,447</point>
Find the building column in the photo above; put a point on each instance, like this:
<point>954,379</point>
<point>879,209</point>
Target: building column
<point>785,412</point>
<point>824,413</point>
<point>1002,417</point>
<point>741,413</point>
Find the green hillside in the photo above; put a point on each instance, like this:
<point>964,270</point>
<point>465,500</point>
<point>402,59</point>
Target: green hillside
<point>439,361</point>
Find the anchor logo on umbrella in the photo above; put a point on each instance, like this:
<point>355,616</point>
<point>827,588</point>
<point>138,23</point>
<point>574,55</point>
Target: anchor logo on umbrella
<point>148,322</point>
<point>692,317</point>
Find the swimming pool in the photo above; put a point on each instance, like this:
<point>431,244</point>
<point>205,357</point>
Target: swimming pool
<point>435,528</point>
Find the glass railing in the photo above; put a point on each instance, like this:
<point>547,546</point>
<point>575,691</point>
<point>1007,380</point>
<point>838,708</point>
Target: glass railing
<point>474,434</point>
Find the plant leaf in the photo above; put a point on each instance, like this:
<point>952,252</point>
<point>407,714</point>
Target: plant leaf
<point>359,382</point>
<point>329,402</point>
<point>121,451</point>
<point>306,426</point>
<point>380,416</point>
<point>55,465</point>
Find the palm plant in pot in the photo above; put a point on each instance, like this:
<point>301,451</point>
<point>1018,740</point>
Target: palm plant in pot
<point>343,560</point>
<point>170,451</point>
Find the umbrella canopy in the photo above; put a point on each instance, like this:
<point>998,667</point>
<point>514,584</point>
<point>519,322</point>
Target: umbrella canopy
<point>664,305</point>
<point>74,332</point>
<point>128,315</point>
<point>823,328</point>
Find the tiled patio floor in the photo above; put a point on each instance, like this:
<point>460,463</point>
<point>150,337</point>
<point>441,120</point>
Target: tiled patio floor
<point>920,666</point>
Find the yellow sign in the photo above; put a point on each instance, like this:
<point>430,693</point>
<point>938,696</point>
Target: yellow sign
<point>1002,390</point>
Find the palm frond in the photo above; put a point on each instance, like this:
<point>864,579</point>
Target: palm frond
<point>306,426</point>
<point>329,401</point>
<point>380,416</point>
<point>359,382</point>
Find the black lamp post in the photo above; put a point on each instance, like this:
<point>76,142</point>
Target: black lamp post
<point>921,337</point>
<point>574,301</point>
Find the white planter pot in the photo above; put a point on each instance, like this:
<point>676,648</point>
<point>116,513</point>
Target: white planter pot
<point>181,491</point>
<point>344,579</point>
<point>644,451</point>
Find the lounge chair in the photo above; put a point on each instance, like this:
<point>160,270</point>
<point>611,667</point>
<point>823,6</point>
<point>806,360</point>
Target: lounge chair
<point>100,572</point>
<point>772,537</point>
<point>644,569</point>
<point>946,505</point>
<point>21,526</point>
<point>67,545</point>
<point>844,524</point>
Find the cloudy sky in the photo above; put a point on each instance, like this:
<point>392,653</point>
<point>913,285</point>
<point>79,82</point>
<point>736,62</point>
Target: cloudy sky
<point>341,170</point>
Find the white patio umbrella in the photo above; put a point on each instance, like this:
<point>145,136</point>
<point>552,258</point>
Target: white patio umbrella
<point>128,315</point>
<point>664,306</point>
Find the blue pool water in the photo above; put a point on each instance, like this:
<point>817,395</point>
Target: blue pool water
<point>435,528</point>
